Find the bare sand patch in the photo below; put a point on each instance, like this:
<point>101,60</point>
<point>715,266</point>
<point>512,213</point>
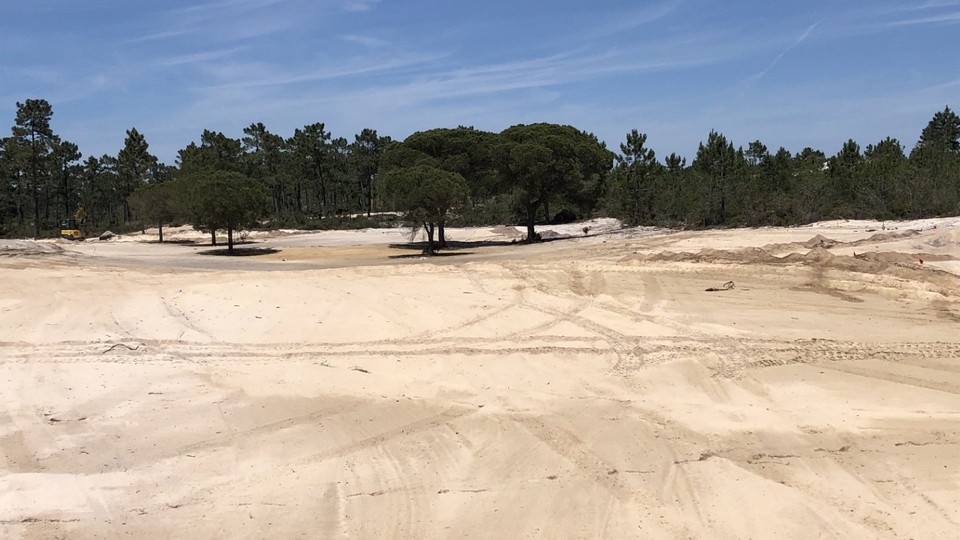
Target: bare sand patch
<point>343,386</point>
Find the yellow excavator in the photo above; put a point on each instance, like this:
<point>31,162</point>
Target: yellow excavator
<point>70,228</point>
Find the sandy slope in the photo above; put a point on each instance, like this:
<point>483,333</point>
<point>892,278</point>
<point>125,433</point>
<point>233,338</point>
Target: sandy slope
<point>583,388</point>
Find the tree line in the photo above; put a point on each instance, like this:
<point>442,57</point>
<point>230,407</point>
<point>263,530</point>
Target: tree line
<point>526,174</point>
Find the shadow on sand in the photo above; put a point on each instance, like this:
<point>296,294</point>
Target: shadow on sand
<point>456,247</point>
<point>452,249</point>
<point>240,251</point>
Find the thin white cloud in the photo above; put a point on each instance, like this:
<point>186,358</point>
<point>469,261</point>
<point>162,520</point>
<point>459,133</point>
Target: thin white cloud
<point>366,41</point>
<point>194,58</point>
<point>218,8</point>
<point>939,4</point>
<point>799,41</point>
<point>637,18</point>
<point>240,78</point>
<point>944,18</point>
<point>222,21</point>
<point>159,36</point>
<point>358,5</point>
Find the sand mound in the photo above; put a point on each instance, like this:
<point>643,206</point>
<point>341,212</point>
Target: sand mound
<point>551,235</point>
<point>818,254</point>
<point>27,248</point>
<point>505,230</point>
<point>885,237</point>
<point>820,241</point>
<point>740,256</point>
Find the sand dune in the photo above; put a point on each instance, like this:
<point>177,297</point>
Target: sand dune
<point>335,386</point>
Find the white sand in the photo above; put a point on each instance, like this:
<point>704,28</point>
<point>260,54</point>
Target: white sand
<point>582,388</point>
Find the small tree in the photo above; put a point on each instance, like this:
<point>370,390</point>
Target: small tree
<point>426,194</point>
<point>544,162</point>
<point>942,132</point>
<point>227,200</point>
<point>633,180</point>
<point>157,203</point>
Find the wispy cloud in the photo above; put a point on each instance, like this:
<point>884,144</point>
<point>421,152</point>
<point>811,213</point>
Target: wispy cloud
<point>799,41</point>
<point>159,36</point>
<point>200,57</point>
<point>939,3</point>
<point>222,21</point>
<point>241,77</point>
<point>359,5</point>
<point>637,18</point>
<point>216,9</point>
<point>931,12</point>
<point>432,85</point>
<point>366,41</point>
<point>943,18</point>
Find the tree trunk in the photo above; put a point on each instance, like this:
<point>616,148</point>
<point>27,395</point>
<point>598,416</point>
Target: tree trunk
<point>36,214</point>
<point>429,228</point>
<point>160,228</point>
<point>276,201</point>
<point>441,236</point>
<point>531,218</point>
<point>213,237</point>
<point>230,240</point>
<point>322,199</point>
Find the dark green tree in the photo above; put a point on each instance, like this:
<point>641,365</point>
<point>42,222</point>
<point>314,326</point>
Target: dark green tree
<point>67,172</point>
<point>216,152</point>
<point>34,142</point>
<point>314,161</point>
<point>226,200</point>
<point>718,165</point>
<point>265,153</point>
<point>936,163</point>
<point>158,203</point>
<point>634,180</point>
<point>365,154</point>
<point>9,176</point>
<point>426,195</point>
<point>845,170</point>
<point>134,164</point>
<point>885,190</point>
<point>810,192</point>
<point>463,150</point>
<point>544,162</point>
<point>98,190</point>
<point>942,132</point>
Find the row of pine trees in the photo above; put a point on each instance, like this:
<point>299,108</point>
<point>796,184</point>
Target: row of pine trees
<point>312,179</point>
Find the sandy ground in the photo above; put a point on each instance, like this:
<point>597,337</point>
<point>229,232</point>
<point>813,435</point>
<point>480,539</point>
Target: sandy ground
<point>334,386</point>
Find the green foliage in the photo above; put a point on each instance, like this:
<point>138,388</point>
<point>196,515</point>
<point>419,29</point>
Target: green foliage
<point>634,181</point>
<point>527,173</point>
<point>159,203</point>
<point>225,200</point>
<point>425,194</point>
<point>544,163</point>
<point>32,145</point>
<point>943,132</point>
<point>463,150</point>
<point>134,165</point>
<point>364,161</point>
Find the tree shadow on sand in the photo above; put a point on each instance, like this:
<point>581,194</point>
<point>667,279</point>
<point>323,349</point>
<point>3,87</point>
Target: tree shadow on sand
<point>452,249</point>
<point>240,251</point>
<point>457,247</point>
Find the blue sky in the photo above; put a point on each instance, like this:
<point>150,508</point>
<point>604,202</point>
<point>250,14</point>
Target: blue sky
<point>791,74</point>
